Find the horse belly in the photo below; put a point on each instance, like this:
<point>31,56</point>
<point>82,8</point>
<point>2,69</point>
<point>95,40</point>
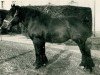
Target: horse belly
<point>57,36</point>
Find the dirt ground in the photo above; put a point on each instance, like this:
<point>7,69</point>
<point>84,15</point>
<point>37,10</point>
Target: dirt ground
<point>18,59</point>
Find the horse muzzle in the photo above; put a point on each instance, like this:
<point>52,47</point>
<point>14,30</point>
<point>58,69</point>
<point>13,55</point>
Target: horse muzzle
<point>5,27</point>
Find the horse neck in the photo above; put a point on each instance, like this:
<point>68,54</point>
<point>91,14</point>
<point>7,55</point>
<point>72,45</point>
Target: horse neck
<point>24,17</point>
<point>22,13</point>
<point>34,14</point>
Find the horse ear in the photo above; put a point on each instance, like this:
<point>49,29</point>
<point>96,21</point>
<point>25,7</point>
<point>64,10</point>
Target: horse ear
<point>12,5</point>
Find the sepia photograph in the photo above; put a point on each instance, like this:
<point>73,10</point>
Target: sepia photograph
<point>49,37</point>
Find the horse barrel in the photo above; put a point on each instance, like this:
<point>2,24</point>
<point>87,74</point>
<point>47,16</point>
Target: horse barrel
<point>84,14</point>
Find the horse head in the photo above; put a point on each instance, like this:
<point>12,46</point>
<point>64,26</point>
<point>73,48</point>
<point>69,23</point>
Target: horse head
<point>11,18</point>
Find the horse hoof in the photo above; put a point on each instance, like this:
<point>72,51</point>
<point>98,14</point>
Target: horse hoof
<point>88,64</point>
<point>89,69</point>
<point>37,67</point>
<point>45,63</point>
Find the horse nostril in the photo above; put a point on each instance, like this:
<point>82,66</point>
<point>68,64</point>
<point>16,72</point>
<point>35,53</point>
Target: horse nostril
<point>4,25</point>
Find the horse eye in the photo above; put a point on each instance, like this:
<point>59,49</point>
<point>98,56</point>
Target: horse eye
<point>11,13</point>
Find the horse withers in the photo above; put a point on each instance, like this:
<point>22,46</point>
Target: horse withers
<point>42,28</point>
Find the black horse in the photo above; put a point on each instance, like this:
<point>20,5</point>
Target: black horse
<point>42,28</point>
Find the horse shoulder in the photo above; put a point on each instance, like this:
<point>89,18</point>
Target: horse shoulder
<point>35,28</point>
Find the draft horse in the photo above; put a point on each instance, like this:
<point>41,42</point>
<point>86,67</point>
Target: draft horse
<point>42,28</point>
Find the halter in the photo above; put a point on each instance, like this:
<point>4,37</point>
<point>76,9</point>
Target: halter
<point>8,22</point>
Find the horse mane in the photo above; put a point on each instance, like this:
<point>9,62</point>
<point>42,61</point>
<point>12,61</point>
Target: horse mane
<point>34,14</point>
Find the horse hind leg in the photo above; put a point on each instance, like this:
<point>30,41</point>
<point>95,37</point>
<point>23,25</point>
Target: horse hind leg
<point>41,58</point>
<point>87,61</point>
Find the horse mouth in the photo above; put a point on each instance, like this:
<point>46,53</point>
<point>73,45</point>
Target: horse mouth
<point>3,31</point>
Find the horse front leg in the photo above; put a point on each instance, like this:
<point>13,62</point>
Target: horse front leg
<point>87,61</point>
<point>41,58</point>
